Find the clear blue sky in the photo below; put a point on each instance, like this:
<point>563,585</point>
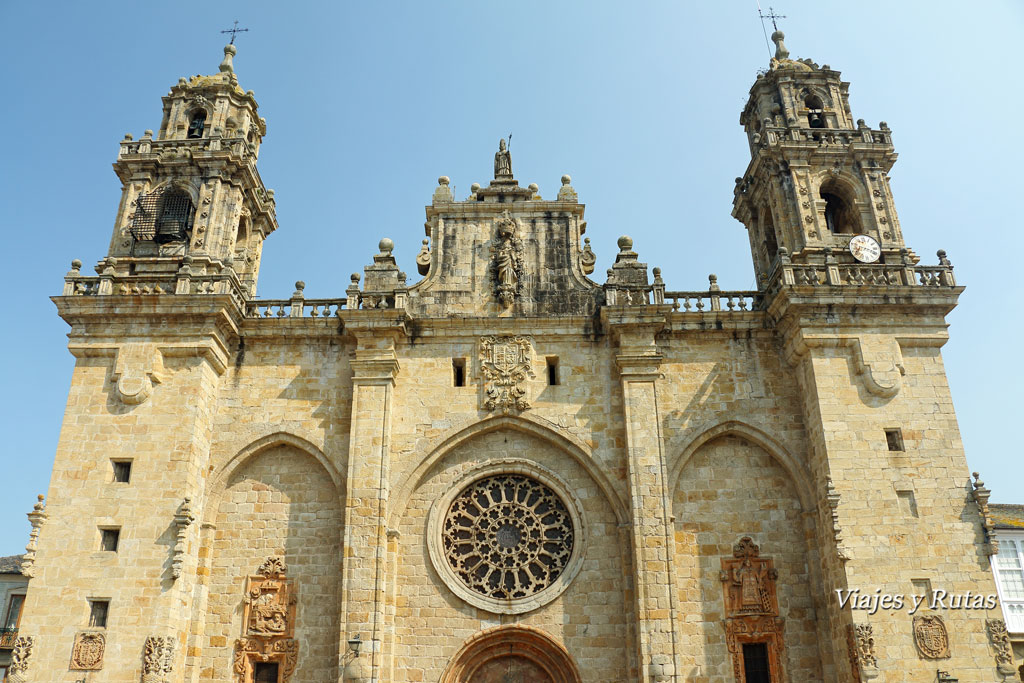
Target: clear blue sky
<point>368,103</point>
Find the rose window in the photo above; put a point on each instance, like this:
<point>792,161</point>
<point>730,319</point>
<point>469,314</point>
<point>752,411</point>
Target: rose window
<point>507,536</point>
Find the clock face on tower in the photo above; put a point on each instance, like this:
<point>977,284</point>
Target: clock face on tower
<point>865,249</point>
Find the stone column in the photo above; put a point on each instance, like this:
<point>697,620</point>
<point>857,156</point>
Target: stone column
<point>375,368</point>
<point>639,365</point>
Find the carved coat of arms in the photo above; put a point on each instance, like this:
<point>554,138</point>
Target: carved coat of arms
<point>87,654</point>
<point>506,362</point>
<point>931,637</point>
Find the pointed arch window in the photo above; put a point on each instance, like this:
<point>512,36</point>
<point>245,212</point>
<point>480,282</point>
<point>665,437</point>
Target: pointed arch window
<point>197,124</point>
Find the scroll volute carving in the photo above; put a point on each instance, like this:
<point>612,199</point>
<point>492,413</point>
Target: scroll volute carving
<point>751,607</point>
<point>269,622</point>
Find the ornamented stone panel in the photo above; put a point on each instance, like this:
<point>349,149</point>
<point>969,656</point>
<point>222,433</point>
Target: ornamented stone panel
<point>505,363</point>
<point>269,622</point>
<point>157,659</point>
<point>931,637</point>
<point>751,607</point>
<point>509,539</point>
<point>87,653</point>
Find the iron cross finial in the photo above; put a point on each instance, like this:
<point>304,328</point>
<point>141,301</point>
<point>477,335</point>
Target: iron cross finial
<point>771,15</point>
<point>234,30</point>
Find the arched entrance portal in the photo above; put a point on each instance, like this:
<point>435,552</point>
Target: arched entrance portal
<point>511,654</point>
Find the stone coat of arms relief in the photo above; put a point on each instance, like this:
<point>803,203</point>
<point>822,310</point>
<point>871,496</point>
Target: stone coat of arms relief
<point>931,637</point>
<point>506,363</point>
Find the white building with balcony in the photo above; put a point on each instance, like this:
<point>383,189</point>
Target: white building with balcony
<point>1008,568</point>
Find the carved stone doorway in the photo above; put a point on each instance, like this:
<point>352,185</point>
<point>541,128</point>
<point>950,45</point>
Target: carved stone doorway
<point>511,654</point>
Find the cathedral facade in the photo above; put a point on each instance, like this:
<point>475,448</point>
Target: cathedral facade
<point>510,470</point>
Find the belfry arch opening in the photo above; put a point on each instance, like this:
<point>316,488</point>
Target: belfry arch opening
<point>815,111</point>
<point>197,124</point>
<point>770,241</point>
<point>840,215</point>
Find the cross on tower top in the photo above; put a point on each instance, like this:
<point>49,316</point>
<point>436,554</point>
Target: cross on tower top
<point>771,15</point>
<point>234,30</point>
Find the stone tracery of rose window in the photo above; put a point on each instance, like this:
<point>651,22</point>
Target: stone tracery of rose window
<point>507,536</point>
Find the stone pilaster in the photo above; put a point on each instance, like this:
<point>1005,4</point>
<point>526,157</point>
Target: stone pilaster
<point>639,364</point>
<point>375,368</point>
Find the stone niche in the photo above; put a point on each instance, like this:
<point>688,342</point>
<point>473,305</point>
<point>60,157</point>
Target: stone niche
<point>269,624</point>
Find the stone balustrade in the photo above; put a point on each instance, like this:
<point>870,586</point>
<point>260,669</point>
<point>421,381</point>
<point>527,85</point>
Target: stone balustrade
<point>699,302</point>
<point>147,145</point>
<point>774,135</point>
<point>292,308</point>
<point>832,274</point>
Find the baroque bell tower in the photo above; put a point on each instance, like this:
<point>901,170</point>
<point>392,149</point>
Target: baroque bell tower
<point>192,195</point>
<point>816,178</point>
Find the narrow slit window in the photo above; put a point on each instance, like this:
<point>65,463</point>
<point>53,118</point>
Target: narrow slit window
<point>894,439</point>
<point>109,538</point>
<point>459,372</point>
<point>908,503</point>
<point>923,587</point>
<point>553,378</point>
<point>755,663</point>
<point>98,612</point>
<point>122,471</point>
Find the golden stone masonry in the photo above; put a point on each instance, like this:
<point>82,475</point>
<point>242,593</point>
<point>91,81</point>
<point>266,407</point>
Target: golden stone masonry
<point>508,471</point>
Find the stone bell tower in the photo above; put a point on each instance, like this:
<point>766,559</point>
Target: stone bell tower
<point>816,178</point>
<point>192,195</point>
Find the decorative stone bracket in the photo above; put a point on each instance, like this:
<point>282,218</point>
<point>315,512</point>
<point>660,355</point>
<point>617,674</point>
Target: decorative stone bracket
<point>861,643</point>
<point>157,659</point>
<point>182,519</point>
<point>20,659</point>
<point>880,364</point>
<point>1000,640</point>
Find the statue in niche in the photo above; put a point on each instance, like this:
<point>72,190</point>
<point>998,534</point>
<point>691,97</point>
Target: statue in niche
<point>751,581</point>
<point>508,259</point>
<point>502,161</point>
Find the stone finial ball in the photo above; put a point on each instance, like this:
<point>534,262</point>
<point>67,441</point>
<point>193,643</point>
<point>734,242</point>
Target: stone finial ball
<point>474,187</point>
<point>230,49</point>
<point>386,245</point>
<point>657,271</point>
<point>355,278</point>
<point>76,264</point>
<point>426,241</point>
<point>443,180</point>
<point>148,133</point>
<point>625,243</point>
<point>778,35</point>
<point>300,285</point>
<point>566,179</point>
<point>533,187</point>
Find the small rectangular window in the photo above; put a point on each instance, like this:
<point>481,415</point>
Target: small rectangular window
<point>122,471</point>
<point>908,503</point>
<point>109,539</point>
<point>553,371</point>
<point>894,439</point>
<point>755,663</point>
<point>923,587</point>
<point>459,372</point>
<point>98,612</point>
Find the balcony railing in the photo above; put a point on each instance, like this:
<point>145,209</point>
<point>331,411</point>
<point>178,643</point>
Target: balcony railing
<point>7,637</point>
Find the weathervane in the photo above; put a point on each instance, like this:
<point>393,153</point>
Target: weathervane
<point>771,15</point>
<point>233,31</point>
